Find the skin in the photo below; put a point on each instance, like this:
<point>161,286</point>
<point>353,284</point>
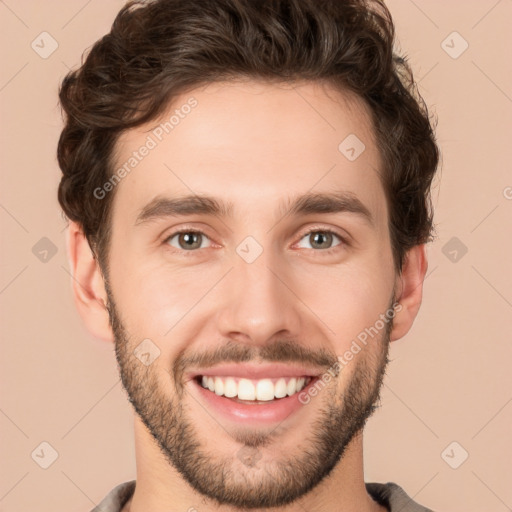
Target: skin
<point>253,144</point>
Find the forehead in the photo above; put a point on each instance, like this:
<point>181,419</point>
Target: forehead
<point>252,144</point>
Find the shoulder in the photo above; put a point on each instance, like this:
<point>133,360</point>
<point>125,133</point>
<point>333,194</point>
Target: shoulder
<point>394,497</point>
<point>116,498</point>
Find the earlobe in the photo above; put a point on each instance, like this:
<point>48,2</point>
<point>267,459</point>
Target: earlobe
<point>409,286</point>
<point>88,284</point>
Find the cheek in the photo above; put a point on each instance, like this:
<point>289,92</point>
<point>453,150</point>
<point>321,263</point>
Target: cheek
<point>347,300</point>
<point>155,300</point>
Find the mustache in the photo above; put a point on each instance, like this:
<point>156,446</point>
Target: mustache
<point>233,352</point>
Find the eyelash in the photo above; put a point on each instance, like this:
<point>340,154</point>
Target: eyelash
<point>316,229</point>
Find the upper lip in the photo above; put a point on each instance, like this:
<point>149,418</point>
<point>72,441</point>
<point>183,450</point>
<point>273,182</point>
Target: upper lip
<point>258,371</point>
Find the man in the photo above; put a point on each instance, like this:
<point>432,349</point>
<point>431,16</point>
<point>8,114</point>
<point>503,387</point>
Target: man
<point>248,185</point>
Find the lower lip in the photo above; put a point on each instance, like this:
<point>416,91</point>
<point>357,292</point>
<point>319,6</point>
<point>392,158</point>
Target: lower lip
<point>273,411</point>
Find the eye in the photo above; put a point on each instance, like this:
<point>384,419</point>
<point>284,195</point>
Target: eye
<point>187,239</point>
<point>322,239</point>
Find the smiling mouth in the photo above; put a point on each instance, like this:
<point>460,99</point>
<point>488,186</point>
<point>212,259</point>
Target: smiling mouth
<point>254,391</point>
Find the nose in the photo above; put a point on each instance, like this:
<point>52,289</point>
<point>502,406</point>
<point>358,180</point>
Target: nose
<point>258,303</point>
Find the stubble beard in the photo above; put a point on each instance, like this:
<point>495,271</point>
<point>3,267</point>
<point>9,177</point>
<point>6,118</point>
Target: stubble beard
<point>253,479</point>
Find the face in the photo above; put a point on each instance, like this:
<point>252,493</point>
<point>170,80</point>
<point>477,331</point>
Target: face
<point>250,256</point>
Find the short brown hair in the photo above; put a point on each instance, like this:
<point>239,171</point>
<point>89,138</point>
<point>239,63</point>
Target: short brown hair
<point>159,49</point>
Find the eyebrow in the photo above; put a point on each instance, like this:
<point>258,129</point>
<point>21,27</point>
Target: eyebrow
<point>306,204</point>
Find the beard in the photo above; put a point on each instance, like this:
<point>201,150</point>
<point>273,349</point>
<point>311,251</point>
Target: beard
<point>252,477</point>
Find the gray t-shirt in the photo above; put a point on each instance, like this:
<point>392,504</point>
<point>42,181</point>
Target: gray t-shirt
<point>389,495</point>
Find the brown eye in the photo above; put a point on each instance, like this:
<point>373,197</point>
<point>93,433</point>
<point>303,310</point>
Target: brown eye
<point>186,240</point>
<point>321,239</point>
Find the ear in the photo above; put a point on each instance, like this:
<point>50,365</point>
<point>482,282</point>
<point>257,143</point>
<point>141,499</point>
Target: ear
<point>88,284</point>
<point>409,285</point>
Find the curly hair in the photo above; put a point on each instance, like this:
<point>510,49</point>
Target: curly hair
<point>159,49</point>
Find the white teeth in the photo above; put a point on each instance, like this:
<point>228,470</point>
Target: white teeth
<point>219,386</point>
<point>246,390</point>
<point>280,388</point>
<point>292,386</point>
<point>261,390</point>
<point>265,390</point>
<point>230,388</point>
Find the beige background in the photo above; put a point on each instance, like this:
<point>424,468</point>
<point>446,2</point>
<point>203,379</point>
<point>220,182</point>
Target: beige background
<point>450,378</point>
